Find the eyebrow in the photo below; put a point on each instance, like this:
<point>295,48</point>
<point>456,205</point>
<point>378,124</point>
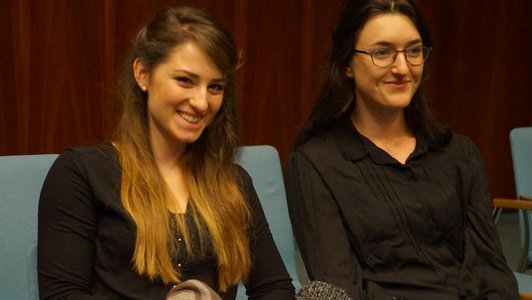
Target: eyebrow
<point>194,76</point>
<point>388,44</point>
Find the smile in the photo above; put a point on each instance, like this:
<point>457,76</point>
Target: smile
<point>398,84</point>
<point>189,118</point>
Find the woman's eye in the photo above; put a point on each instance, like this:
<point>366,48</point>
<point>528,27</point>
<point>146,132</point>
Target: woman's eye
<point>216,88</point>
<point>184,81</point>
<point>416,50</point>
<point>383,52</point>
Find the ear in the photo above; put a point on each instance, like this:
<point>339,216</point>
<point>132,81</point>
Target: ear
<point>349,72</point>
<point>142,74</point>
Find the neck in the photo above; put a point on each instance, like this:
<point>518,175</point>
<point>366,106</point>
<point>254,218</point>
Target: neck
<point>168,159</point>
<point>381,126</point>
<point>167,154</point>
<point>387,130</point>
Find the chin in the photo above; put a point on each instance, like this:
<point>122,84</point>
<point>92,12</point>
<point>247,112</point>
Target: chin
<point>400,102</point>
<point>188,136</point>
<point>189,141</point>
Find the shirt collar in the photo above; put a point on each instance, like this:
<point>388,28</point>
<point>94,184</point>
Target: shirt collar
<point>355,146</point>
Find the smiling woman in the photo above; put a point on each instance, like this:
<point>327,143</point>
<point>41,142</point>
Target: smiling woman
<point>162,203</point>
<point>384,90</point>
<point>386,202</point>
<point>185,93</point>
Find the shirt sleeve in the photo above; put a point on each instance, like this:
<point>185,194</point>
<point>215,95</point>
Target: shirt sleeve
<point>484,273</point>
<point>318,228</point>
<point>66,234</point>
<point>268,277</point>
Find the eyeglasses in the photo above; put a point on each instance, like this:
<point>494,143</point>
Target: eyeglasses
<point>384,57</point>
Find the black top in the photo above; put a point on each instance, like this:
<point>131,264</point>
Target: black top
<point>371,225</point>
<point>86,240</point>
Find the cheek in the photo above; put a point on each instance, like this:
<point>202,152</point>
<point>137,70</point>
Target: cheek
<point>155,104</point>
<point>368,79</point>
<point>417,73</point>
<point>366,72</point>
<point>215,105</point>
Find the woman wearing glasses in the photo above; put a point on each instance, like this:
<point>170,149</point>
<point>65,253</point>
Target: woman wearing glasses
<point>387,202</point>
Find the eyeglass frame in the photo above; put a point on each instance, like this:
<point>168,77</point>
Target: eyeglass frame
<point>371,53</point>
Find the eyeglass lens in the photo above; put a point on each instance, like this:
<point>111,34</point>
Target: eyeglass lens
<point>416,55</point>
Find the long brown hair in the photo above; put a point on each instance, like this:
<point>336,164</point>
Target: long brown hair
<point>219,210</point>
<point>336,101</point>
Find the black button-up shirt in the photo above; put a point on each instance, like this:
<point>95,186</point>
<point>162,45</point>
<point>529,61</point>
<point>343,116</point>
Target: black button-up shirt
<point>375,227</point>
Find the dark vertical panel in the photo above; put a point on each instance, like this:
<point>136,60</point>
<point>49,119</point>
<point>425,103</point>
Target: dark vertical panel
<point>284,57</point>
<point>271,71</point>
<point>14,92</point>
<point>479,83</point>
<point>65,82</point>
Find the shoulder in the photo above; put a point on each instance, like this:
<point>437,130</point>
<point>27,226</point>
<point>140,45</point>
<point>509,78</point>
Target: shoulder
<point>331,150</point>
<point>243,180</point>
<point>247,188</point>
<point>317,148</point>
<point>243,177</point>
<point>245,183</point>
<point>82,173</point>
<point>316,145</point>
<point>459,153</point>
<point>86,160</point>
<point>99,152</point>
<point>462,146</point>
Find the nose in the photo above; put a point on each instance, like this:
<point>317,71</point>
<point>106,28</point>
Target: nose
<point>400,65</point>
<point>199,100</point>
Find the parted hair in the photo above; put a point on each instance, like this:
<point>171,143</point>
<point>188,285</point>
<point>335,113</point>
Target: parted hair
<point>336,100</point>
<point>216,202</point>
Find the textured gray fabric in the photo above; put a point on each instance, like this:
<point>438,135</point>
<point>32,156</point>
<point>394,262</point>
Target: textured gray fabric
<point>319,290</point>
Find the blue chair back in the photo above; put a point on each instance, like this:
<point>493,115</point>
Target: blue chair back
<point>521,148</point>
<point>264,166</point>
<point>521,145</point>
<point>21,179</point>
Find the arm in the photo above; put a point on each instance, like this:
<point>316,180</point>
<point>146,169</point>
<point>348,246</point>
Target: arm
<point>268,277</point>
<point>484,272</point>
<point>318,228</point>
<point>67,229</point>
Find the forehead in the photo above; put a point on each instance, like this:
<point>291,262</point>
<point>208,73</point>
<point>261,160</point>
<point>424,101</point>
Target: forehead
<point>395,29</point>
<point>189,57</point>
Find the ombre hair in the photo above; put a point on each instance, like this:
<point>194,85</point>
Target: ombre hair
<point>336,101</point>
<point>219,210</point>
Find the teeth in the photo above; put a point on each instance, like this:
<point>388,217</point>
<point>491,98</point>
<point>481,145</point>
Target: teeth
<point>189,118</point>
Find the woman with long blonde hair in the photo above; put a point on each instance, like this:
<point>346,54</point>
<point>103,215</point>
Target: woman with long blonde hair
<point>163,202</point>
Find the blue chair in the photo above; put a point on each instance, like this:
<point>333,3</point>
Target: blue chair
<point>521,147</point>
<point>264,166</point>
<point>524,281</point>
<point>21,179</point>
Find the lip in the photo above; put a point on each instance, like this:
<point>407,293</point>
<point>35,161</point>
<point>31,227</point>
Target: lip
<point>398,84</point>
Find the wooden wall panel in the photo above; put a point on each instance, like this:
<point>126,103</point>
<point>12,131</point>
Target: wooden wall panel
<point>285,53</point>
<point>480,83</point>
<point>59,58</point>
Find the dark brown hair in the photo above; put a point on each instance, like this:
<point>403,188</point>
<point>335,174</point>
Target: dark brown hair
<point>337,99</point>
